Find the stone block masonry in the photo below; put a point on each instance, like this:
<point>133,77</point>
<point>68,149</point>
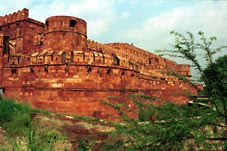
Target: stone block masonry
<point>55,67</point>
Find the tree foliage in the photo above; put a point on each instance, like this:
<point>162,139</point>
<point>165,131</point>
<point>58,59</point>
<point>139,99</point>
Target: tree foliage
<point>202,126</point>
<point>215,78</point>
<point>175,127</point>
<point>192,48</point>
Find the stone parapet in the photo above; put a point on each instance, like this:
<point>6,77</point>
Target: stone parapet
<point>16,16</point>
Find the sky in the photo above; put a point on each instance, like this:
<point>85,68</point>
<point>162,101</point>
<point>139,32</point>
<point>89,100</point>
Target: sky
<point>145,23</point>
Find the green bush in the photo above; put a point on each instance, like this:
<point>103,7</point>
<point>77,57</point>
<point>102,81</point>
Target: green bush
<point>15,117</point>
<point>215,78</point>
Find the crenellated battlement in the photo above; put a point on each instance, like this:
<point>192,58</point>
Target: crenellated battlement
<point>56,67</point>
<point>14,17</point>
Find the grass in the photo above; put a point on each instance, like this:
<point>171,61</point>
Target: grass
<point>14,117</point>
<point>21,131</point>
<point>27,130</point>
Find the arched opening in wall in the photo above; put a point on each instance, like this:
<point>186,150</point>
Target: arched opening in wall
<point>66,67</point>
<point>123,73</point>
<point>31,69</point>
<point>20,33</point>
<point>72,23</point>
<point>6,45</point>
<point>52,56</point>
<point>116,60</point>
<point>63,57</point>
<point>18,60</point>
<point>46,68</point>
<point>13,70</point>
<point>93,57</point>
<point>88,68</point>
<point>108,71</point>
<point>150,60</point>
<point>72,56</point>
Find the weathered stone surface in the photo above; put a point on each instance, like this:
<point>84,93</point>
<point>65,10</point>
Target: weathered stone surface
<point>55,67</point>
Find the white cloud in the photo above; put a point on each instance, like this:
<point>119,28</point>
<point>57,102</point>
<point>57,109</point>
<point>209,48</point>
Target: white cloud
<point>125,14</point>
<point>153,33</point>
<point>132,21</point>
<point>146,24</point>
<point>10,6</point>
<point>97,13</point>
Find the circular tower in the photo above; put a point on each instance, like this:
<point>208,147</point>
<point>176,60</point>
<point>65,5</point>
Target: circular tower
<point>65,33</point>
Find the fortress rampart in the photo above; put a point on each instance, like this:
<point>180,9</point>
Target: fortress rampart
<point>71,33</point>
<point>54,66</point>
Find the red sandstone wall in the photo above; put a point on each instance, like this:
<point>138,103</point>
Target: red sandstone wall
<point>16,16</point>
<point>153,61</point>
<point>65,33</point>
<point>21,31</point>
<point>81,88</point>
<point>60,70</point>
<point>1,55</point>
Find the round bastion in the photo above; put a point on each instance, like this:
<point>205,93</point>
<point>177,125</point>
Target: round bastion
<point>65,33</point>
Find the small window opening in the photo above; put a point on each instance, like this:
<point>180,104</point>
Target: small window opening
<point>93,57</point>
<point>46,68</point>
<point>150,60</point>
<point>72,56</point>
<point>14,70</point>
<point>18,60</point>
<point>88,69</point>
<point>108,71</point>
<point>20,32</point>
<point>116,60</point>
<point>52,57</point>
<point>32,70</point>
<point>72,23</point>
<point>162,79</point>
<point>67,68</point>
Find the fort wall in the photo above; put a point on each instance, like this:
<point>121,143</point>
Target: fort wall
<point>21,31</point>
<point>57,68</point>
<point>79,86</point>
